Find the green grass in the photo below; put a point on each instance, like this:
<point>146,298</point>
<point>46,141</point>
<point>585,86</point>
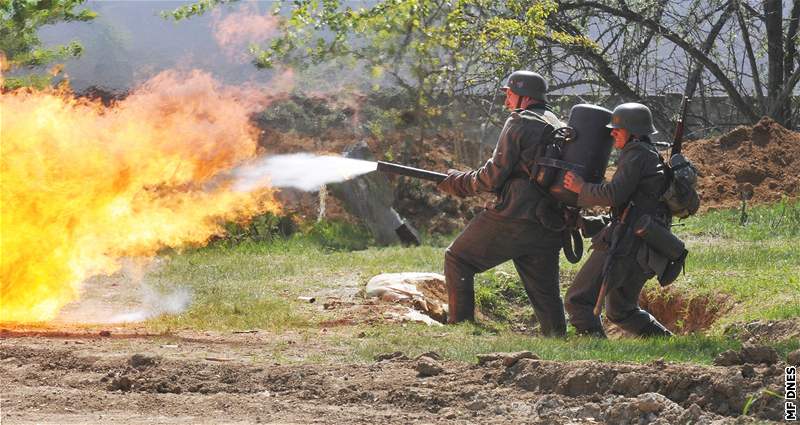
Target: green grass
<point>764,222</point>
<point>757,264</point>
<point>254,284</point>
<point>464,342</point>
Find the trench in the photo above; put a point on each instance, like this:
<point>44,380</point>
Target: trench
<point>684,313</point>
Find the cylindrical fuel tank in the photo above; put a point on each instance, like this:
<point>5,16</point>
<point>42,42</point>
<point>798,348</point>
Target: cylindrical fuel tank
<point>589,150</point>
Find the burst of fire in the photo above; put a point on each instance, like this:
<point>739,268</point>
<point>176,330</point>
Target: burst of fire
<point>85,185</point>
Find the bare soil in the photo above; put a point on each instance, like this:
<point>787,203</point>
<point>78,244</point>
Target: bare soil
<point>762,160</point>
<point>684,314</point>
<point>78,376</point>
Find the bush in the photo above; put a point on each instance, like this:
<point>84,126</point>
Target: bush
<point>340,236</point>
<point>262,228</point>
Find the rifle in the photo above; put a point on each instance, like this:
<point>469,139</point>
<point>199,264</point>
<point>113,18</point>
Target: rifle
<point>619,233</point>
<point>677,139</point>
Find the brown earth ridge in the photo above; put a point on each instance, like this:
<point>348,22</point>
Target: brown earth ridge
<point>202,378</point>
<point>762,159</point>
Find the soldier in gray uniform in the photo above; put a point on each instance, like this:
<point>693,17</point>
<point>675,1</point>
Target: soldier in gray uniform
<point>509,229</point>
<point>636,186</point>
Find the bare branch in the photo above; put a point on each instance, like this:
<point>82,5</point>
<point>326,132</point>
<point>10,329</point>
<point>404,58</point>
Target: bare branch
<point>750,55</point>
<point>615,82</point>
<point>573,83</point>
<point>670,35</point>
<point>691,82</point>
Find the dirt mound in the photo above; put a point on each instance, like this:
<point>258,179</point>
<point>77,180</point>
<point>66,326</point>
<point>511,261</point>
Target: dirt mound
<point>724,391</point>
<point>100,384</point>
<point>762,331</point>
<point>762,159</point>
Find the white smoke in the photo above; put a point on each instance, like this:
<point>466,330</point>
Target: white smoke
<point>155,303</point>
<point>126,296</point>
<point>302,171</point>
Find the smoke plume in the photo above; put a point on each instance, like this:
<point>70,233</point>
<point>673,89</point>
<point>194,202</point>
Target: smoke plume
<point>302,171</point>
<point>243,27</point>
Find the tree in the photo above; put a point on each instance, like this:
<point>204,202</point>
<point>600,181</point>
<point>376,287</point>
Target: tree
<point>703,43</point>
<point>20,46</point>
<point>434,50</point>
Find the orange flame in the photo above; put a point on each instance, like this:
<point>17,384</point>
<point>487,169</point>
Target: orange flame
<point>85,185</point>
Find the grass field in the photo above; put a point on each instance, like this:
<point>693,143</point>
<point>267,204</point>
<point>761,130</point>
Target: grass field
<point>754,269</point>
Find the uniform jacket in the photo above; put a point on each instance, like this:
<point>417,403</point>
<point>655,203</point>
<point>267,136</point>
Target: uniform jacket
<point>504,174</point>
<point>640,179</point>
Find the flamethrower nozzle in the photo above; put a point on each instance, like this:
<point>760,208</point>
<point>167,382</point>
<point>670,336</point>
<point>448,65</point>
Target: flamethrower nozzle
<point>403,170</point>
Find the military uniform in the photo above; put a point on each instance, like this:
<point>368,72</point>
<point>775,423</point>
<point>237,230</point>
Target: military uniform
<point>638,181</point>
<point>508,229</point>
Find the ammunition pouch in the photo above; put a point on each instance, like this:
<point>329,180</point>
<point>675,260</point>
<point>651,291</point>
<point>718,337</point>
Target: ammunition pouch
<point>673,270</point>
<point>661,240</point>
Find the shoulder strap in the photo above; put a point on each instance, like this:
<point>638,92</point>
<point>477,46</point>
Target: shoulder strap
<point>542,117</point>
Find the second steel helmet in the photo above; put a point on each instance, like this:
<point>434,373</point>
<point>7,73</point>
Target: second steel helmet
<point>634,117</point>
<point>527,83</point>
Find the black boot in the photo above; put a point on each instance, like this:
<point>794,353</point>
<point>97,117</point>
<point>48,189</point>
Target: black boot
<point>654,329</point>
<point>592,332</point>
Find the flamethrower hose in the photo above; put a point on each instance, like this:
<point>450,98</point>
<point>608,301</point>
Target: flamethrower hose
<point>403,170</point>
<point>572,242</point>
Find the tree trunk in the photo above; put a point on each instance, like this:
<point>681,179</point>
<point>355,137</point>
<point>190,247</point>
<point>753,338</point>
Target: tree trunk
<point>791,52</point>
<point>773,18</point>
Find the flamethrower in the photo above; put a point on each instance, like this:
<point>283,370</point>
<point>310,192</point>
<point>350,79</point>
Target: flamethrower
<point>403,170</point>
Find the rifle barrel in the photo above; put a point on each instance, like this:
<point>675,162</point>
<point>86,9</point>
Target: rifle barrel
<point>404,170</point>
<point>677,140</point>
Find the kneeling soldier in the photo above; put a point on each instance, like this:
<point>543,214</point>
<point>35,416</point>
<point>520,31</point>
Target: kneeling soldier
<point>619,258</point>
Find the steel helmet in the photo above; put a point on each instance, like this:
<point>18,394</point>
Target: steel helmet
<point>527,83</point>
<point>634,117</point>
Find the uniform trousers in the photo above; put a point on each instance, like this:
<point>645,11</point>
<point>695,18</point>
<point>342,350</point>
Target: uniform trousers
<point>489,240</point>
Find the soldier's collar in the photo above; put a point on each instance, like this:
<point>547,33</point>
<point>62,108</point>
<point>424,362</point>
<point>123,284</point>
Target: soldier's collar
<point>635,141</point>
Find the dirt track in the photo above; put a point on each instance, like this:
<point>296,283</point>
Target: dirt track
<point>203,378</point>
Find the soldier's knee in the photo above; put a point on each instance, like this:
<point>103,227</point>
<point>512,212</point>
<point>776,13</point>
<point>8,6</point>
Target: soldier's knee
<point>617,316</point>
<point>570,306</point>
<point>452,260</point>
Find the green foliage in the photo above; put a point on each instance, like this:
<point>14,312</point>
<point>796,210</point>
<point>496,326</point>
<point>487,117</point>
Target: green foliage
<point>431,49</point>
<point>38,81</point>
<point>340,236</point>
<point>194,9</point>
<point>20,21</point>
<point>428,47</point>
<point>263,228</point>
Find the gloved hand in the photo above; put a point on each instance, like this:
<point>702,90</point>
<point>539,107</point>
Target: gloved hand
<point>449,186</point>
<point>592,225</point>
